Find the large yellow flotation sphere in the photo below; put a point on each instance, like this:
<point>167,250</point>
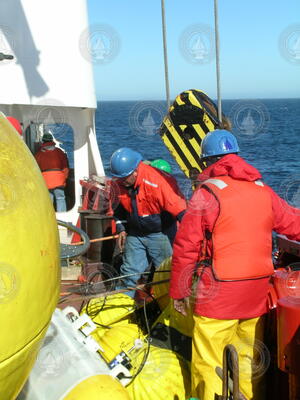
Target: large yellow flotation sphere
<point>29,261</point>
<point>119,338</point>
<point>110,311</point>
<point>165,376</point>
<point>98,387</point>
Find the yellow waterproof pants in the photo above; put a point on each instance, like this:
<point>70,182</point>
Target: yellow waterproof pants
<point>210,336</point>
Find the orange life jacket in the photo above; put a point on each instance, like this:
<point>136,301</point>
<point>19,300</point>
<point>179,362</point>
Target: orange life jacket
<point>242,235</point>
<point>53,163</point>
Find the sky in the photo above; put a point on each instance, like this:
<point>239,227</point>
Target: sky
<point>259,48</point>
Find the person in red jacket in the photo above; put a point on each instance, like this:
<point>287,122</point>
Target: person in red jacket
<point>222,259</point>
<point>54,165</point>
<point>144,194</point>
<point>16,124</point>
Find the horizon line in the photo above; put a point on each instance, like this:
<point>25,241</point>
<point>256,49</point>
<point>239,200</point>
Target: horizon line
<point>215,100</point>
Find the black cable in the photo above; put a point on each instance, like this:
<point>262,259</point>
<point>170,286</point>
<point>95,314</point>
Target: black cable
<point>92,314</point>
<point>143,362</point>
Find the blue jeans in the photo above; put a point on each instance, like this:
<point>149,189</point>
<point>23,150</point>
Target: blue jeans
<point>58,194</point>
<point>138,252</point>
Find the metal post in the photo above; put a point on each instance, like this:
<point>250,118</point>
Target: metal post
<point>163,18</point>
<point>217,44</point>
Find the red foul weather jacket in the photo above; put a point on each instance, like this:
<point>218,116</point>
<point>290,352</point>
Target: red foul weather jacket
<point>154,192</point>
<point>204,225</point>
<point>53,163</point>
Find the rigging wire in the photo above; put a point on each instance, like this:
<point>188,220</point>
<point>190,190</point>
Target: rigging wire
<point>148,339</point>
<point>164,32</point>
<point>117,277</point>
<point>217,44</point>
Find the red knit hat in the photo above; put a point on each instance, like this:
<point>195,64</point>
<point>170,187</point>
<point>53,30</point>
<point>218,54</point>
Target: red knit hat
<point>16,124</point>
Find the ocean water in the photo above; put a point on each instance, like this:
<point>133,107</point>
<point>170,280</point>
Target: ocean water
<point>268,133</point>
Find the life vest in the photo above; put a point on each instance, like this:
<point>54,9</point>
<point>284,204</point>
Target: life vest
<point>53,163</point>
<point>242,235</point>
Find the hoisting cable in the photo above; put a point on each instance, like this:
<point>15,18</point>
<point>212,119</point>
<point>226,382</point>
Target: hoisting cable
<point>164,32</point>
<point>217,44</point>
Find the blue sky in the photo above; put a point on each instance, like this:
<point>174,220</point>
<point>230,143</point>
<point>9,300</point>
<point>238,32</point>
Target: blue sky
<point>254,62</point>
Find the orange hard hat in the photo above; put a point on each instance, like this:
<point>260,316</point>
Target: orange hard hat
<point>16,124</point>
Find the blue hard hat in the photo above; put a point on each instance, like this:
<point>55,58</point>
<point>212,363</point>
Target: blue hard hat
<point>218,143</point>
<point>124,161</point>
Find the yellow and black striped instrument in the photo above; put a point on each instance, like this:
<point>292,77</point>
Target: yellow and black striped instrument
<point>192,115</point>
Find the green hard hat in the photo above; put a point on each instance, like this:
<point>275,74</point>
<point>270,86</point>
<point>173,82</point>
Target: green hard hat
<point>162,164</point>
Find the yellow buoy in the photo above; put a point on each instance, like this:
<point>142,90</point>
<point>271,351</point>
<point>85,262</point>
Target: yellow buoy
<point>29,260</point>
<point>97,387</point>
<point>119,338</point>
<point>109,310</point>
<point>165,376</point>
